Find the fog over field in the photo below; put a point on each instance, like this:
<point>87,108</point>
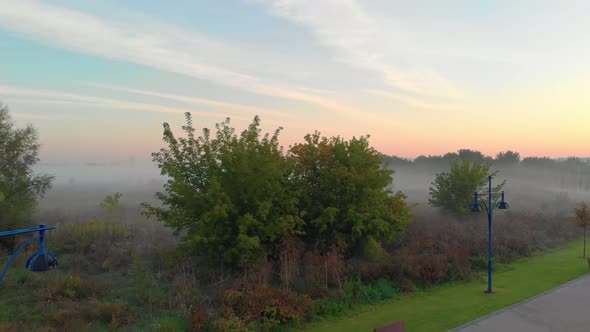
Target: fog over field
<point>84,185</point>
<point>81,186</point>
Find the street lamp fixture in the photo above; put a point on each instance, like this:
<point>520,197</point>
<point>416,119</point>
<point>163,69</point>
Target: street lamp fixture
<point>476,207</point>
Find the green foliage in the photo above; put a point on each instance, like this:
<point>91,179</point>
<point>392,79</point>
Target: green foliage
<point>112,202</point>
<point>382,290</point>
<point>453,191</point>
<point>230,193</point>
<point>330,307</point>
<point>239,196</point>
<point>344,194</point>
<point>20,188</point>
<point>355,292</point>
<point>478,263</point>
<point>374,252</point>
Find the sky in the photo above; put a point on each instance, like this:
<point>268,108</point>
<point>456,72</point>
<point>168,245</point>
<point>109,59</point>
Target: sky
<point>98,78</point>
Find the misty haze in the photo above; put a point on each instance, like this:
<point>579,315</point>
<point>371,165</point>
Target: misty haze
<point>294,165</point>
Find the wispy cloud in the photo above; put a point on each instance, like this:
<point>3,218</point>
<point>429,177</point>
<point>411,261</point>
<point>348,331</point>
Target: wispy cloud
<point>58,97</point>
<point>149,43</point>
<point>196,101</point>
<point>417,102</point>
<point>359,40</point>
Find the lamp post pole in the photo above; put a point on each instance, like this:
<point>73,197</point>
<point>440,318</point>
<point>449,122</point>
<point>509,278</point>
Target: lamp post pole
<point>502,205</point>
<point>489,290</point>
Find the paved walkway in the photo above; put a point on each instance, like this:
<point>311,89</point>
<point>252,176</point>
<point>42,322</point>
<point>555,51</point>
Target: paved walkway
<point>566,308</point>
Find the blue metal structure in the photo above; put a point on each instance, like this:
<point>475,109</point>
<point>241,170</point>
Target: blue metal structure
<point>38,262</point>
<point>475,207</point>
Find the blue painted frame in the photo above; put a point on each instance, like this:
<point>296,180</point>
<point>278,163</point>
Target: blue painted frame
<point>41,254</point>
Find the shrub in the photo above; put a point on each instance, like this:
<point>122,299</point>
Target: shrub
<point>386,289</point>
<point>266,307</point>
<point>232,324</point>
<point>478,263</point>
<point>73,287</point>
<point>95,245</point>
<point>382,290</point>
<point>329,307</point>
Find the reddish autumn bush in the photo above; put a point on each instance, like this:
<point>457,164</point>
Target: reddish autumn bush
<point>265,307</point>
<point>436,249</point>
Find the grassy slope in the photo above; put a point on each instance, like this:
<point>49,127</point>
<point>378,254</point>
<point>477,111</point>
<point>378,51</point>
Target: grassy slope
<point>448,306</point>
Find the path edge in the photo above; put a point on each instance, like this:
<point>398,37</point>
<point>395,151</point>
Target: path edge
<point>473,322</point>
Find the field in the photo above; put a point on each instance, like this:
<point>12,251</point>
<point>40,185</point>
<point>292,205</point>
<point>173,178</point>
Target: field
<point>448,306</point>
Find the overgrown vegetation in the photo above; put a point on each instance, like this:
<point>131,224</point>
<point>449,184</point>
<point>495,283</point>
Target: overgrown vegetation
<point>268,238</point>
<point>447,306</point>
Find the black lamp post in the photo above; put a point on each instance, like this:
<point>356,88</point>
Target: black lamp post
<point>502,205</point>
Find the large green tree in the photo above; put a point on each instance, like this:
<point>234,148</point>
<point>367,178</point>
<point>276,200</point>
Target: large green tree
<point>344,193</point>
<point>453,191</point>
<point>20,188</point>
<point>230,194</point>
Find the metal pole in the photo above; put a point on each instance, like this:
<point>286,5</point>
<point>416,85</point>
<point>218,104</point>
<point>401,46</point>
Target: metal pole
<point>489,291</point>
<point>42,251</point>
<point>584,241</point>
<point>13,257</point>
<point>42,240</point>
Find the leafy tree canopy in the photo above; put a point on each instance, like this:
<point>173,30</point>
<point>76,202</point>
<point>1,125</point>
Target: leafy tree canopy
<point>453,191</point>
<point>20,187</point>
<point>229,192</point>
<point>344,193</point>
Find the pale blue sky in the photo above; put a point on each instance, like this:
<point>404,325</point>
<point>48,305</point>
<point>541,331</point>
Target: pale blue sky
<point>98,78</point>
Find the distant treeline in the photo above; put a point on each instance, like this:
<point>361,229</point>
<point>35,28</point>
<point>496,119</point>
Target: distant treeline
<point>502,159</point>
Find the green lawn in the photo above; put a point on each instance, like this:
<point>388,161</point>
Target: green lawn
<point>445,307</point>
